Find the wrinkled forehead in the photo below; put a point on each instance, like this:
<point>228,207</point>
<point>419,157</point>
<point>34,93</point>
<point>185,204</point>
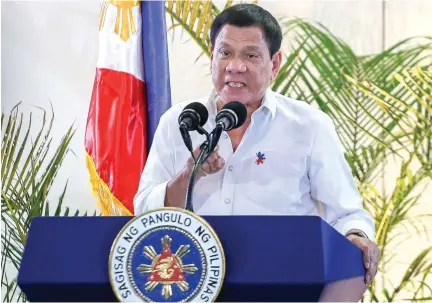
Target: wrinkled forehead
<point>248,36</point>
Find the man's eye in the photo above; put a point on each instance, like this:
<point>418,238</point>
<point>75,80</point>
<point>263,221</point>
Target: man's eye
<point>224,53</point>
<point>252,56</point>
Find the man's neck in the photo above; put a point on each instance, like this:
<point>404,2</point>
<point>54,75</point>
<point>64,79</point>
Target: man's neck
<point>250,107</point>
<point>237,134</point>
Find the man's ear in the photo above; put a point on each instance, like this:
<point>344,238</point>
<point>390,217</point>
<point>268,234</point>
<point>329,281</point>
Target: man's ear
<point>276,64</point>
<point>211,58</point>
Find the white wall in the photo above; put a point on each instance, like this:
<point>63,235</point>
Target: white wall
<point>49,54</point>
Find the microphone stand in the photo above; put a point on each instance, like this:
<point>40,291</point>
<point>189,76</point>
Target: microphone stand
<point>215,136</point>
<point>203,155</point>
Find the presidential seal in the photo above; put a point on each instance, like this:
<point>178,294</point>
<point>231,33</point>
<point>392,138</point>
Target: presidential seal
<point>167,255</point>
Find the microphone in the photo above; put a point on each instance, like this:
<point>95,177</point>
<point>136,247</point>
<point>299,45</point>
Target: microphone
<point>231,116</point>
<point>193,116</point>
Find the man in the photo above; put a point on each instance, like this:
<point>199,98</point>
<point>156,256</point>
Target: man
<point>286,159</point>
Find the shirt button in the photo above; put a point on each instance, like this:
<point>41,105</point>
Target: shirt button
<point>230,168</point>
<point>227,201</point>
<point>225,136</point>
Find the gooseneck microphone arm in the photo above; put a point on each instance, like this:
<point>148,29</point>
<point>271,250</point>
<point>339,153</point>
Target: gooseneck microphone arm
<point>204,152</point>
<point>216,134</point>
<point>186,138</point>
<point>202,131</point>
<point>213,140</point>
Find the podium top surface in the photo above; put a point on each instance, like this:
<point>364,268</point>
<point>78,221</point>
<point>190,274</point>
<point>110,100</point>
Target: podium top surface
<point>258,250</point>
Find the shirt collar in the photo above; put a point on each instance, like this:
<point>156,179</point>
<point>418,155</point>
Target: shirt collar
<point>269,102</point>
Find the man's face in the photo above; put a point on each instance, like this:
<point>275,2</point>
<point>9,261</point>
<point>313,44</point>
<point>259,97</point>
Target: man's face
<point>241,65</point>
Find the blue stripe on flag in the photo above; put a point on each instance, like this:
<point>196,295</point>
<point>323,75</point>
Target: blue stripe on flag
<point>156,63</point>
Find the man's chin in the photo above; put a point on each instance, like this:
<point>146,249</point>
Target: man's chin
<point>235,96</point>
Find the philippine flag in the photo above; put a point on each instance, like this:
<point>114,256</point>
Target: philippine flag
<point>131,91</point>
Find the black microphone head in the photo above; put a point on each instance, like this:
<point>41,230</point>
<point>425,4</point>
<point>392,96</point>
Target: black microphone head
<point>239,109</point>
<point>201,110</point>
<point>197,114</point>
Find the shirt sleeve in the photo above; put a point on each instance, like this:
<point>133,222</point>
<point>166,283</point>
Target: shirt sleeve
<point>332,183</point>
<point>158,170</point>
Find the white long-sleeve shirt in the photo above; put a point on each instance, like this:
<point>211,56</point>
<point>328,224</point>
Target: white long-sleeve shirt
<point>302,170</point>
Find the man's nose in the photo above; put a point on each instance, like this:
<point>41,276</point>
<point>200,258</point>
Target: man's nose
<point>236,65</point>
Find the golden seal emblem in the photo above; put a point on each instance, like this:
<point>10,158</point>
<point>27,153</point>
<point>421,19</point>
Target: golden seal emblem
<point>167,255</point>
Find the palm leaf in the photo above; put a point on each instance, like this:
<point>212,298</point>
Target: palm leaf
<point>29,170</point>
<point>321,74</point>
<point>195,17</point>
<point>419,266</point>
<point>416,114</point>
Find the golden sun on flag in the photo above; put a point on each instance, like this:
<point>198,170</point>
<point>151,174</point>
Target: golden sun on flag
<point>124,20</point>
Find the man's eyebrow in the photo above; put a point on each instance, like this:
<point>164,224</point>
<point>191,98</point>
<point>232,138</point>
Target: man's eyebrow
<point>253,47</point>
<point>223,44</point>
<point>248,47</point>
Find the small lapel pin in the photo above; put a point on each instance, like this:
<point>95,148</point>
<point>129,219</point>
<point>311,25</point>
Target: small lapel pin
<point>260,158</point>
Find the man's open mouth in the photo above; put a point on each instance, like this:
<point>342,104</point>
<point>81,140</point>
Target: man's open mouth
<point>235,84</point>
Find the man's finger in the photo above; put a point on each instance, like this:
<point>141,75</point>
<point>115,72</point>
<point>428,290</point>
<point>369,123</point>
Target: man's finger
<point>215,151</point>
<point>373,265</point>
<point>217,164</point>
<point>207,165</point>
<point>377,254</point>
<point>374,255</point>
<point>370,273</point>
<point>366,257</point>
<point>220,163</point>
<point>367,263</point>
<point>213,157</point>
<point>374,261</point>
<point>214,164</point>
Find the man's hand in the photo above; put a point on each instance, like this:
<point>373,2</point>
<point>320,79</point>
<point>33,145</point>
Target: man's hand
<point>213,164</point>
<point>371,255</point>
<point>177,187</point>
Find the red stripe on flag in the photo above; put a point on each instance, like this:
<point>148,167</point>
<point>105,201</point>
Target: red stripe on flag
<point>116,132</point>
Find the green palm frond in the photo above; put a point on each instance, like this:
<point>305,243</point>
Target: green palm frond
<point>29,169</point>
<point>318,71</point>
<point>395,211</point>
<point>397,59</point>
<point>195,17</point>
<point>414,281</point>
<point>415,115</point>
<point>419,269</point>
